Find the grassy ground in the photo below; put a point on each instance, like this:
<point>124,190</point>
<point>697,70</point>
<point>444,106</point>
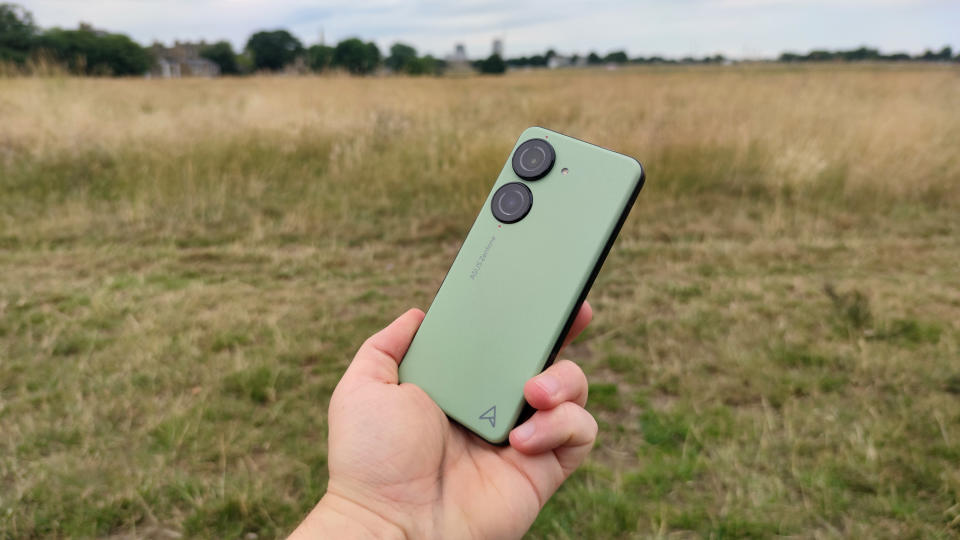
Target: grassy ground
<point>186,267</point>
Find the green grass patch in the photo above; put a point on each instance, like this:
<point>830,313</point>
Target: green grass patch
<point>260,384</point>
<point>236,517</point>
<point>621,363</point>
<point>586,506</point>
<point>231,340</point>
<point>660,473</point>
<point>77,343</point>
<point>910,332</point>
<point>667,431</point>
<point>605,396</point>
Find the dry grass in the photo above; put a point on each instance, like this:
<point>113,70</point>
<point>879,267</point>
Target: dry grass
<point>187,266</point>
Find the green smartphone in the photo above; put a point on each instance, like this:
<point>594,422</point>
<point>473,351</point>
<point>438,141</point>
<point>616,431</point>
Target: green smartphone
<point>514,289</point>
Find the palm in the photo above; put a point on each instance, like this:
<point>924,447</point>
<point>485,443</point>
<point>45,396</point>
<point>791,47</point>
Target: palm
<point>392,445</point>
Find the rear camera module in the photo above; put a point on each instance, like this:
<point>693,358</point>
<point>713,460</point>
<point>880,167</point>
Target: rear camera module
<point>533,159</point>
<point>511,203</point>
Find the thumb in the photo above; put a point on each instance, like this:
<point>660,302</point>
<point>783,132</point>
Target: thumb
<point>382,352</point>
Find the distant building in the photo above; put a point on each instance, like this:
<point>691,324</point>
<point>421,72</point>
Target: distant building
<point>459,53</point>
<point>181,60</point>
<point>458,61</point>
<point>498,47</point>
<point>559,61</point>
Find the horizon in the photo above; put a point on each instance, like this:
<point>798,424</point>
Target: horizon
<point>765,28</point>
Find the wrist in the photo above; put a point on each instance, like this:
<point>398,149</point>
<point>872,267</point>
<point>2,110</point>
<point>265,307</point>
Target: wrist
<point>336,516</point>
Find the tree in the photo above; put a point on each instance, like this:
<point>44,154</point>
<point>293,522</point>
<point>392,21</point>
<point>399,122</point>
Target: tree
<point>594,59</point>
<point>319,58</point>
<point>616,57</point>
<point>244,62</point>
<point>433,66</point>
<point>424,65</point>
<point>857,55</point>
<point>898,57</point>
<point>356,56</point>
<point>90,52</point>
<point>493,65</point>
<point>273,50</point>
<point>17,33</point>
<point>401,56</point>
<point>820,56</point>
<point>221,53</point>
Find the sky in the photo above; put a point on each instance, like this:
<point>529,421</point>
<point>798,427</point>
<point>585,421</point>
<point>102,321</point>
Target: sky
<point>674,28</point>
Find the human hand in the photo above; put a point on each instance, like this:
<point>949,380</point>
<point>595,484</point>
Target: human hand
<point>400,468</point>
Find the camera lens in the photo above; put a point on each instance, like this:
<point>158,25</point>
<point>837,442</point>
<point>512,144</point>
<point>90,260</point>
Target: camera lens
<point>533,159</point>
<point>511,202</point>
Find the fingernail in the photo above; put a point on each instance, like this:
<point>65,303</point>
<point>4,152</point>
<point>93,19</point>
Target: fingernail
<point>524,432</point>
<point>549,383</point>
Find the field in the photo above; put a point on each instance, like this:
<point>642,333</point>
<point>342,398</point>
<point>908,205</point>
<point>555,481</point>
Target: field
<point>186,268</point>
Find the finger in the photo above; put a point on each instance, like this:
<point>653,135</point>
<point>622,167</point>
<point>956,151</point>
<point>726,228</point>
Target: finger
<point>563,381</point>
<point>382,352</point>
<point>583,318</point>
<point>568,429</point>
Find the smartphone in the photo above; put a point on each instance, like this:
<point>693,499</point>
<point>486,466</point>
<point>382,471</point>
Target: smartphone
<point>515,286</point>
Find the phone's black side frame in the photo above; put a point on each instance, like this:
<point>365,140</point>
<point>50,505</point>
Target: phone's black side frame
<point>527,410</point>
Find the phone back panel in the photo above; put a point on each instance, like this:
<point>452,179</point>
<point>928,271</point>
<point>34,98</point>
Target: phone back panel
<point>512,291</point>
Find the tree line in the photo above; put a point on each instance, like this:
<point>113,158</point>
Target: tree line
<point>864,54</point>
<point>87,51</point>
<point>613,57</point>
<point>277,50</point>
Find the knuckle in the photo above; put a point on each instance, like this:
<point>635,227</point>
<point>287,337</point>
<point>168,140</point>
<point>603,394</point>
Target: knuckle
<point>573,376</point>
<point>568,413</point>
<point>578,424</point>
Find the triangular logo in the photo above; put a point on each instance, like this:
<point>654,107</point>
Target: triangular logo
<point>491,415</point>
